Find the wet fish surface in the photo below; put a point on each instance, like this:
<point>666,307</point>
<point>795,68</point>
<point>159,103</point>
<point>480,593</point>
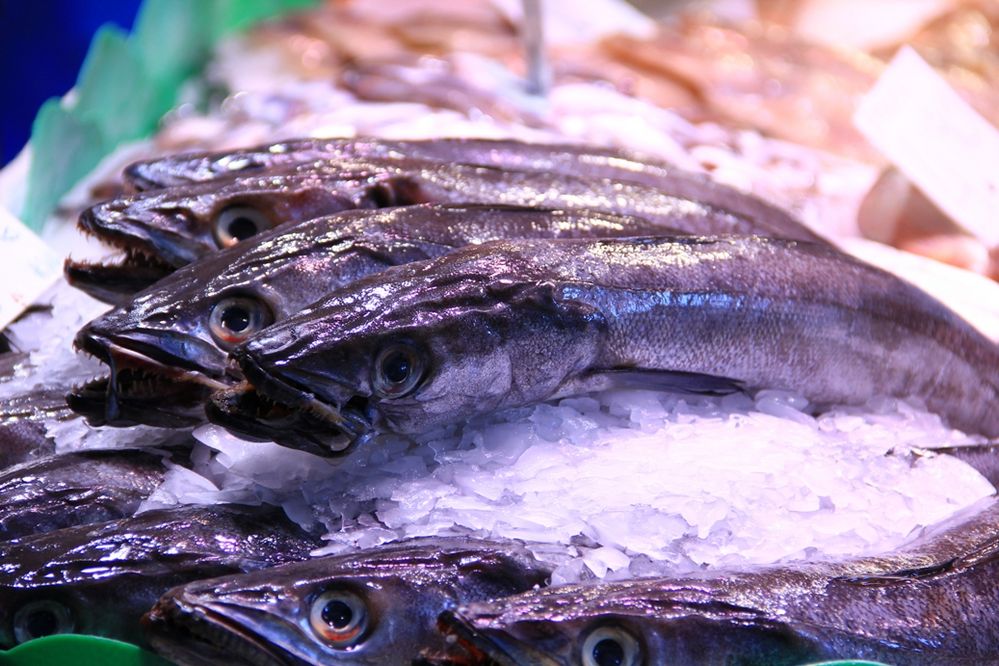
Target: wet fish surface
<point>167,347</point>
<point>510,323</point>
<point>23,425</point>
<point>573,159</point>
<point>78,488</point>
<point>932,602</point>
<point>99,579</point>
<point>161,230</point>
<point>376,606</point>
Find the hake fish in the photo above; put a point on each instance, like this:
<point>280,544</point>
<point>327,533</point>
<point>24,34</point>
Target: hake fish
<point>930,603</point>
<point>572,159</point>
<point>79,488</point>
<point>161,230</point>
<point>99,579</point>
<point>376,606</point>
<point>510,323</point>
<point>167,347</point>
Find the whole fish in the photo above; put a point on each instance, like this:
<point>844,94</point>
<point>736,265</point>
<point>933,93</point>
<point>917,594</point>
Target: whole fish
<point>99,579</point>
<point>376,606</point>
<point>167,347</point>
<point>510,323</point>
<point>76,489</point>
<point>162,230</point>
<point>571,159</point>
<point>931,603</point>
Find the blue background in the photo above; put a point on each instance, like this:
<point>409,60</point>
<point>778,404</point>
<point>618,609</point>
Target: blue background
<point>42,45</point>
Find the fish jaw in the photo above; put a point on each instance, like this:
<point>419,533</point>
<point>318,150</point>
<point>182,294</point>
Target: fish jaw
<point>194,635</point>
<point>140,388</point>
<point>249,414</point>
<point>493,647</point>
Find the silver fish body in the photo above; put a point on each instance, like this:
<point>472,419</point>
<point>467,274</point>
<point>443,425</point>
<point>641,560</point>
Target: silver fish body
<point>587,161</point>
<point>929,603</point>
<point>99,579</point>
<point>78,488</point>
<point>510,323</point>
<point>180,328</point>
<point>377,606</point>
<point>162,230</point>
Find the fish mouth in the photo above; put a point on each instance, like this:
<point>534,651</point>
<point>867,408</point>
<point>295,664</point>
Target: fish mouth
<point>251,414</point>
<point>115,279</point>
<point>194,635</point>
<point>138,389</point>
<point>489,650</point>
<point>290,414</point>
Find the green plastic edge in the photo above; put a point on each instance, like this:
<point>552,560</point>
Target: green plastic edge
<point>78,650</point>
<point>126,84</point>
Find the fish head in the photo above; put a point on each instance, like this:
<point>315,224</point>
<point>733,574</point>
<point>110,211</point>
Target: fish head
<point>161,230</point>
<point>635,623</point>
<point>184,169</point>
<point>423,345</point>
<point>371,607</point>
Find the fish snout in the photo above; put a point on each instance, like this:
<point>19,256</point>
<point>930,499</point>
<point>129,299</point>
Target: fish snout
<point>493,646</point>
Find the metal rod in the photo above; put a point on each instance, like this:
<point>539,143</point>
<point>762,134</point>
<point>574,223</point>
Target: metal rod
<point>533,34</point>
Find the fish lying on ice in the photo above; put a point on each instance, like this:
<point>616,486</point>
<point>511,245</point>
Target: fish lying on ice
<point>932,602</point>
<point>78,488</point>
<point>23,425</point>
<point>376,606</point>
<point>510,323</point>
<point>162,230</point>
<point>99,579</point>
<point>167,347</point>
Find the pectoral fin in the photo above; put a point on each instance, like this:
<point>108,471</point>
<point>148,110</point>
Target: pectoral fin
<point>670,380</point>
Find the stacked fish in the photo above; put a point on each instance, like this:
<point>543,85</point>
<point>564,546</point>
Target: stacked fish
<point>325,294</point>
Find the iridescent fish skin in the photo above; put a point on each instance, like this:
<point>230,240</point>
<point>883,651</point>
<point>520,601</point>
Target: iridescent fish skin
<point>387,600</point>
<point>78,488</point>
<point>583,160</point>
<point>932,602</point>
<point>99,579</point>
<point>23,425</point>
<point>510,323</point>
<point>161,230</point>
<point>178,326</point>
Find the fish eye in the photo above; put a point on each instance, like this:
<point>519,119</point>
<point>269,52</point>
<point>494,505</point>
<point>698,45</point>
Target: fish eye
<point>340,618</point>
<point>236,318</point>
<point>610,646</point>
<point>237,223</point>
<point>398,369</point>
<point>42,618</point>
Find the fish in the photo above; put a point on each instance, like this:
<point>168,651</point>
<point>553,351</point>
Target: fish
<point>573,159</point>
<point>99,579</point>
<point>167,348</point>
<point>931,602</point>
<point>161,230</point>
<point>78,488</point>
<point>510,323</point>
<point>375,606</point>
<point>23,424</point>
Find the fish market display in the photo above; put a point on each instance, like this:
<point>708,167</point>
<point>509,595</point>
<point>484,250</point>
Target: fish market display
<point>420,346</point>
<point>75,489</point>
<point>99,579</point>
<point>930,603</point>
<point>167,347</point>
<point>376,606</point>
<point>161,230</point>
<point>409,363</point>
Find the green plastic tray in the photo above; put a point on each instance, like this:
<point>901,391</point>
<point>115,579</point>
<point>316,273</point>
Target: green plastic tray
<point>77,650</point>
